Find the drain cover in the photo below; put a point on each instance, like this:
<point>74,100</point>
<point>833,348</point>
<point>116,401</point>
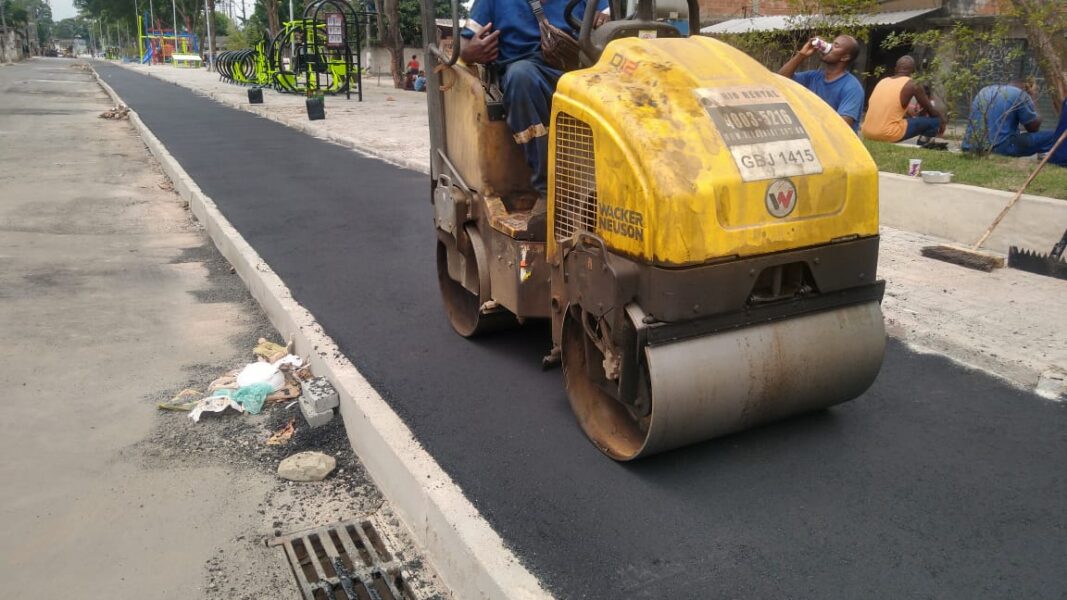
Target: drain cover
<point>344,561</point>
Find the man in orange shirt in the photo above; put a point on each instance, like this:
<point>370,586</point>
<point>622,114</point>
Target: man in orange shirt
<point>887,113</point>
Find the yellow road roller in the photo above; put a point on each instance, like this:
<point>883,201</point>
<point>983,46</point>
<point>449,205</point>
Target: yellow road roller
<point>707,253</point>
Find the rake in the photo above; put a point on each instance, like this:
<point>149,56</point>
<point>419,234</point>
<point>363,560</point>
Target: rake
<point>973,259</point>
<point>1052,264</point>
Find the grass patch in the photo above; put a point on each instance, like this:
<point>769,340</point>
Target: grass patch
<point>995,172</point>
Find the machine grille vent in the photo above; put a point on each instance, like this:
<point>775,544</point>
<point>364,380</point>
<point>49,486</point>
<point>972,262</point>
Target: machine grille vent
<point>575,177</point>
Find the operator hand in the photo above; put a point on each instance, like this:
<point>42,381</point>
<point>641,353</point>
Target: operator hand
<point>483,48</point>
<point>600,19</point>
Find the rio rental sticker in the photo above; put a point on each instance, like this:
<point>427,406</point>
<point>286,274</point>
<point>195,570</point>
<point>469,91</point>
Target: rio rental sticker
<point>764,135</point>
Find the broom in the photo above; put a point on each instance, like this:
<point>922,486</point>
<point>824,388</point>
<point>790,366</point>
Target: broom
<point>971,257</point>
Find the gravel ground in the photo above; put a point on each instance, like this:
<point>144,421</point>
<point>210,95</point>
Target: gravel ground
<point>243,567</point>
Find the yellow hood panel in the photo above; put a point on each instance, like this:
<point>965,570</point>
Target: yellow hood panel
<point>702,153</point>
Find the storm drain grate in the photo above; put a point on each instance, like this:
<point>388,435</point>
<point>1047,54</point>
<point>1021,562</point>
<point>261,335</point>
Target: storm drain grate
<point>344,561</point>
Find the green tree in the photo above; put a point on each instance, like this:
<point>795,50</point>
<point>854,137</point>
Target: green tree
<point>223,24</point>
<point>1045,24</point>
<point>70,28</point>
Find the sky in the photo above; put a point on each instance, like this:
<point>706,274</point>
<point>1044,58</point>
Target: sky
<point>62,9</point>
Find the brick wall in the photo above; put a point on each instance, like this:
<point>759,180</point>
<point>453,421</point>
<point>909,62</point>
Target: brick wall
<point>718,10</point>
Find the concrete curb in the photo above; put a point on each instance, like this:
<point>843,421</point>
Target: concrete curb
<point>961,213</point>
<point>464,549</point>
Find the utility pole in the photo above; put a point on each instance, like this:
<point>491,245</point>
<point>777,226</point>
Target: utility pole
<point>152,16</point>
<point>174,12</point>
<point>136,19</point>
<point>3,33</point>
<point>210,16</point>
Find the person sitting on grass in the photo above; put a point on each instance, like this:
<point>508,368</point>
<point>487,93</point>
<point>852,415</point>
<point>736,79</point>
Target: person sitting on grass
<point>420,82</point>
<point>887,118</point>
<point>997,112</point>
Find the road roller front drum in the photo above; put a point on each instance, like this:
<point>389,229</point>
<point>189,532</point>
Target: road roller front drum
<point>617,428</point>
<point>707,386</point>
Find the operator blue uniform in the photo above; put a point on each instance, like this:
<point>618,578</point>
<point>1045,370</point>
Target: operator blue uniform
<point>527,80</point>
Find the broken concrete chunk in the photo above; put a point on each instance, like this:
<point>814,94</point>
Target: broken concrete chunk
<point>1052,385</point>
<point>320,394</point>
<point>307,466</point>
<point>313,417</point>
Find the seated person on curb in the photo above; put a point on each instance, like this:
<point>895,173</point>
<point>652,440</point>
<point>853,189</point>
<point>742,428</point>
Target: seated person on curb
<point>505,32</point>
<point>887,119</point>
<point>997,111</point>
<point>420,82</point>
<point>833,83</point>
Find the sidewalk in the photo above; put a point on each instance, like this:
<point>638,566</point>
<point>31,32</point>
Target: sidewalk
<point>1012,322</point>
<point>113,298</point>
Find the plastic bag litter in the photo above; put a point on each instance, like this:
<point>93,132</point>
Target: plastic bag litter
<point>260,372</point>
<point>227,380</point>
<point>291,360</point>
<point>214,404</point>
<point>250,397</point>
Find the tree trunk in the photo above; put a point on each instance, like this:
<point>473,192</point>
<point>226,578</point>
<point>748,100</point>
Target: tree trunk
<point>394,42</point>
<point>1043,22</point>
<point>379,19</point>
<point>272,17</point>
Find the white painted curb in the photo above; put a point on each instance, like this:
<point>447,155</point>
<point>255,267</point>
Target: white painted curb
<point>464,549</point>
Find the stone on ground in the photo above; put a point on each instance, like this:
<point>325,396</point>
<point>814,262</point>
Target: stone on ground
<point>306,466</point>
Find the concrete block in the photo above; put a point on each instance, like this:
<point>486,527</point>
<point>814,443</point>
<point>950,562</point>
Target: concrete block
<point>313,417</point>
<point>320,394</point>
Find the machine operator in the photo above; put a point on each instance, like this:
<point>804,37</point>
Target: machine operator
<point>505,32</point>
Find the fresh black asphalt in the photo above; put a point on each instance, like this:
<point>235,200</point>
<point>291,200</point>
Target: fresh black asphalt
<point>938,483</point>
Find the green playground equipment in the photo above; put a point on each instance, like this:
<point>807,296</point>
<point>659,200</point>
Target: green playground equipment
<point>314,55</point>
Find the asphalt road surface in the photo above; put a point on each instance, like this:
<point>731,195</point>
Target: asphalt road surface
<point>938,483</point>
